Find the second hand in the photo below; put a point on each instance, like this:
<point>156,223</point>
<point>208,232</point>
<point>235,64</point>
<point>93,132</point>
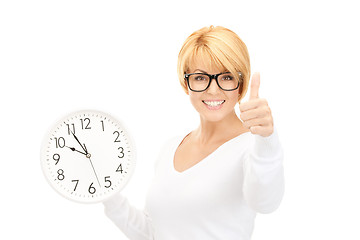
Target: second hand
<point>94,171</point>
<point>88,155</point>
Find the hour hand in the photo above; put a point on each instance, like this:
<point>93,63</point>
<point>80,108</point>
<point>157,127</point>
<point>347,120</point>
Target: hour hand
<point>75,150</point>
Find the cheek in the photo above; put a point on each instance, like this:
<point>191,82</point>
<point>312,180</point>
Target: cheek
<point>233,97</point>
<point>195,99</point>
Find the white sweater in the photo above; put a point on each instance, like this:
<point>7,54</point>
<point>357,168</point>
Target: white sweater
<point>216,199</point>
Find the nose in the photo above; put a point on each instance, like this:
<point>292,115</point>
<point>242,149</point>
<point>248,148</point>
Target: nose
<point>213,88</point>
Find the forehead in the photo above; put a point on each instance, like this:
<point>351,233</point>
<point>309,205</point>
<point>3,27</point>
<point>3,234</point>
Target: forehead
<point>206,63</point>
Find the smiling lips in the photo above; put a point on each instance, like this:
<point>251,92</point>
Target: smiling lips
<point>213,104</point>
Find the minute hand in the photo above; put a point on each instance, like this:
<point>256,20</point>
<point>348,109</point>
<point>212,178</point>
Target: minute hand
<point>79,142</point>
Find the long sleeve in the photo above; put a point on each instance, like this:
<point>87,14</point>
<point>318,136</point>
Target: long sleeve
<point>264,174</point>
<point>134,223</point>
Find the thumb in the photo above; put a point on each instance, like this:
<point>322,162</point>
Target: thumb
<point>254,87</point>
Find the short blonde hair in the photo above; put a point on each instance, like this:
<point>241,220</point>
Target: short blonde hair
<point>219,46</point>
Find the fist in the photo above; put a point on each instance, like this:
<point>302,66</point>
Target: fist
<point>255,113</point>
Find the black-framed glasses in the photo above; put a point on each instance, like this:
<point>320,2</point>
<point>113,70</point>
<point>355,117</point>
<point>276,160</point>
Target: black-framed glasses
<point>199,82</point>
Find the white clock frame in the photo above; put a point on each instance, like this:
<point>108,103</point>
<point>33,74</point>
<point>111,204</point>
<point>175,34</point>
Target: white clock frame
<point>88,156</point>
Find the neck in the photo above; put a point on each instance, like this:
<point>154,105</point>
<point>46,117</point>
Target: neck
<point>214,131</point>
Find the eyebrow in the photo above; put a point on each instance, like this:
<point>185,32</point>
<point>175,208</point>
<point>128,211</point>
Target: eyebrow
<point>200,70</point>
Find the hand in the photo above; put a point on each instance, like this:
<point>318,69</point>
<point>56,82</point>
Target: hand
<point>94,171</point>
<point>255,113</point>
<point>73,149</point>
<point>79,143</point>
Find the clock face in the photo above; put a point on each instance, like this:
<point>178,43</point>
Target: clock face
<point>88,156</point>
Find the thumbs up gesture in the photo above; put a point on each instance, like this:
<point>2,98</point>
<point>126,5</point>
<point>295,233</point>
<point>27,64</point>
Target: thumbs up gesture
<point>255,113</point>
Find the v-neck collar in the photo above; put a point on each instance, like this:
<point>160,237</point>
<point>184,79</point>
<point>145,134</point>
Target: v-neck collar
<point>205,159</point>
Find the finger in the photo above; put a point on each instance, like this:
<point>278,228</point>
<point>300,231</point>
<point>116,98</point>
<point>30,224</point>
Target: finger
<point>255,85</point>
<point>262,122</point>
<point>244,106</point>
<point>257,130</point>
<point>253,113</point>
<point>262,131</point>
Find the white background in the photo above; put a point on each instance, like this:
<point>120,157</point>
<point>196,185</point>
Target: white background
<point>120,57</point>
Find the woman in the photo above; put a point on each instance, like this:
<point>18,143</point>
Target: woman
<point>211,183</point>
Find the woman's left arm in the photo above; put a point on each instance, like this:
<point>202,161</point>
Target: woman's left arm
<point>263,170</point>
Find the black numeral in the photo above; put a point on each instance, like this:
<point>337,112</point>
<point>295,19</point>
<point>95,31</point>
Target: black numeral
<point>77,182</point>
<point>119,169</point>
<point>73,128</point>
<point>60,142</point>
<point>117,136</point>
<point>121,152</point>
<point>92,190</point>
<point>102,124</point>
<point>108,181</point>
<point>85,121</point>
<point>56,157</point>
<point>60,173</point>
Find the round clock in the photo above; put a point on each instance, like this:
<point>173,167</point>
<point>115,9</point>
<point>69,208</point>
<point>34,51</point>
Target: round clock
<point>88,156</point>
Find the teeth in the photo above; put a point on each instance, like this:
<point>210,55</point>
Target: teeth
<point>214,103</point>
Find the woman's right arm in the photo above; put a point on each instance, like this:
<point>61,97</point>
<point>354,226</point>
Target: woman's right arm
<point>134,223</point>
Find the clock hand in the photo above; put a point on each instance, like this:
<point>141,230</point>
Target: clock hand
<point>85,148</point>
<point>73,149</point>
<point>79,142</point>
<point>88,155</point>
<point>94,171</point>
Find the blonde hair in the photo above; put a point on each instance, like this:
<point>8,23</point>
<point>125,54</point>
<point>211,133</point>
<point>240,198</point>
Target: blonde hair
<point>220,47</point>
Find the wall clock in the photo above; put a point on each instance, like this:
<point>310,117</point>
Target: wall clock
<point>88,156</point>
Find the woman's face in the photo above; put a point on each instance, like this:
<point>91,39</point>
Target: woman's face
<point>213,104</point>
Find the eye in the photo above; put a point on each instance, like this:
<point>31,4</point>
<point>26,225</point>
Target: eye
<point>199,77</point>
<point>226,77</point>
